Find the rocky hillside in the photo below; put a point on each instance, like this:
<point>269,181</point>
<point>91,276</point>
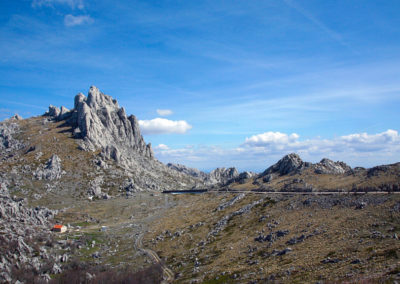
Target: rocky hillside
<point>291,173</point>
<point>217,177</point>
<point>94,150</point>
<point>274,238</point>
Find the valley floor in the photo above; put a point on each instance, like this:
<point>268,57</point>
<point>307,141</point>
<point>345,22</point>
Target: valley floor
<point>236,237</point>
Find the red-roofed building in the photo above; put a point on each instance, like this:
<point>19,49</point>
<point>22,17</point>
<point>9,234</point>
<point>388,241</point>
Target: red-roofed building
<point>59,228</point>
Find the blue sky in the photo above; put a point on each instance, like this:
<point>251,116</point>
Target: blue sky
<point>235,83</point>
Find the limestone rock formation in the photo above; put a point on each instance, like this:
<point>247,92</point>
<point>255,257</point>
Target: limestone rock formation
<point>288,164</point>
<point>99,124</point>
<point>51,171</point>
<point>244,177</point>
<point>326,166</point>
<point>53,112</point>
<point>189,171</point>
<point>222,175</point>
<point>219,176</point>
<point>8,143</point>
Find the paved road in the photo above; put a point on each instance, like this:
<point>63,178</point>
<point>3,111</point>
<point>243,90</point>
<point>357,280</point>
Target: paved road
<point>307,193</point>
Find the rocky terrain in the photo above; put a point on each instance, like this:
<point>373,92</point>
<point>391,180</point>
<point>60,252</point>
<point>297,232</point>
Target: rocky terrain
<point>90,169</point>
<point>259,238</point>
<point>217,177</point>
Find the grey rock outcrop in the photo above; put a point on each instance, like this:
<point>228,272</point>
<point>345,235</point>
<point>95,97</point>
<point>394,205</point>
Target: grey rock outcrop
<point>51,171</point>
<point>219,176</point>
<point>244,177</point>
<point>223,222</point>
<point>188,171</point>
<point>53,112</point>
<point>8,143</point>
<point>293,164</point>
<point>326,166</point>
<point>230,202</point>
<point>222,176</point>
<point>288,164</point>
<point>95,187</point>
<point>99,124</point>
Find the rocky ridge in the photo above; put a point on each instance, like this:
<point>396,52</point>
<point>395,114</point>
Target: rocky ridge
<point>99,123</point>
<point>292,164</point>
<point>102,124</point>
<point>188,171</point>
<point>218,176</point>
<point>222,175</point>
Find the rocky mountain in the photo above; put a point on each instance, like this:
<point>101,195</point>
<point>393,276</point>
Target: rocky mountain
<point>93,150</point>
<point>98,123</point>
<point>218,176</point>
<point>292,163</point>
<point>288,164</point>
<point>188,171</point>
<point>102,124</point>
<point>291,173</point>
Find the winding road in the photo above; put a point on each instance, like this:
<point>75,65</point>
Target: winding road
<point>168,274</point>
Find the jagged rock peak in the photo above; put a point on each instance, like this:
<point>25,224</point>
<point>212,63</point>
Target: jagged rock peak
<point>327,166</point>
<point>99,121</point>
<point>288,164</point>
<point>186,170</point>
<point>97,99</point>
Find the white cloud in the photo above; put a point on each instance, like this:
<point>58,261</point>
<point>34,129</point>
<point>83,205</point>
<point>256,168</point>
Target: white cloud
<point>164,126</point>
<point>161,147</point>
<point>50,3</point>
<point>260,151</point>
<point>359,142</point>
<point>71,20</point>
<point>268,138</point>
<point>164,112</point>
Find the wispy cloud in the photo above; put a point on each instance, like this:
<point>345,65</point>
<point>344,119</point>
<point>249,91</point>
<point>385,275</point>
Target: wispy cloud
<point>331,33</point>
<point>71,20</point>
<point>164,112</point>
<point>164,126</point>
<point>51,3</point>
<point>21,104</point>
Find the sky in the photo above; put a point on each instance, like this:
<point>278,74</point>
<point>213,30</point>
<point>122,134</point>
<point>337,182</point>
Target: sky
<point>217,83</point>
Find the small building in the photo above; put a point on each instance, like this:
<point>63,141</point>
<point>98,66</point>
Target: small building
<point>59,228</point>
